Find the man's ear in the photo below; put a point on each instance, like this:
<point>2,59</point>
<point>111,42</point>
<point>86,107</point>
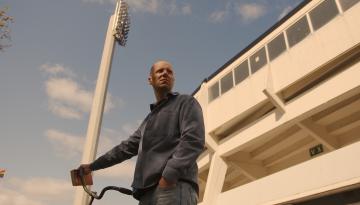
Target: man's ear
<point>150,80</point>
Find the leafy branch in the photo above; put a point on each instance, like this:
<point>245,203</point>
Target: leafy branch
<point>5,21</point>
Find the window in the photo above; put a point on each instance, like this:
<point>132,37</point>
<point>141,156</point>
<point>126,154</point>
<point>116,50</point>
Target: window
<point>258,60</point>
<point>214,91</point>
<point>323,13</point>
<point>276,47</point>
<point>298,31</point>
<point>226,83</point>
<point>241,72</point>
<point>347,4</point>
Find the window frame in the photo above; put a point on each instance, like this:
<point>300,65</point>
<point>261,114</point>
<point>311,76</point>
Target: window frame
<point>289,34</point>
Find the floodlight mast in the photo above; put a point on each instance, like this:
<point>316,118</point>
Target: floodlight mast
<point>122,23</point>
<point>118,30</point>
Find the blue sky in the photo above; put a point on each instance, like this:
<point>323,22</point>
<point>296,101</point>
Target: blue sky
<point>48,75</point>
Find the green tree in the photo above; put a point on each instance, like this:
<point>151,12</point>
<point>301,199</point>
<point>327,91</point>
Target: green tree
<point>5,21</point>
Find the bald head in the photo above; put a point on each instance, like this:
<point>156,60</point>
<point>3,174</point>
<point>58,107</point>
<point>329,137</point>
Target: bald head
<point>160,63</point>
<point>161,78</point>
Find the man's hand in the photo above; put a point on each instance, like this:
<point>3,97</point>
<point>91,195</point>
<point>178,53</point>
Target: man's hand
<point>164,184</point>
<point>86,168</point>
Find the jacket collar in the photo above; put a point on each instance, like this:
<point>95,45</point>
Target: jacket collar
<point>168,96</point>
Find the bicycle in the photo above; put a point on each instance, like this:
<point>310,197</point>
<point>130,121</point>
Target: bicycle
<point>79,178</point>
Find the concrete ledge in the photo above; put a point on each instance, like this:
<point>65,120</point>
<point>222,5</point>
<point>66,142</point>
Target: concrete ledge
<point>330,171</point>
<point>343,85</point>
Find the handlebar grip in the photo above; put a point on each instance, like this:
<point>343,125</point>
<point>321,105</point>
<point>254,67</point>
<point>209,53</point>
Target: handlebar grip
<point>79,179</point>
<point>76,178</point>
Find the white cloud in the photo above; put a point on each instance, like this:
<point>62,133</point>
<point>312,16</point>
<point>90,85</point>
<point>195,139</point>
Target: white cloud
<point>107,142</point>
<point>67,98</point>
<point>56,69</point>
<point>249,12</point>
<point>69,146</point>
<point>217,16</point>
<point>284,12</point>
<point>170,7</point>
<point>35,191</point>
<point>186,9</point>
<point>65,145</point>
<point>64,111</point>
<point>44,188</point>
<point>150,6</point>
<point>12,197</point>
<point>125,170</point>
<point>129,128</point>
<point>95,1</point>
<point>220,15</point>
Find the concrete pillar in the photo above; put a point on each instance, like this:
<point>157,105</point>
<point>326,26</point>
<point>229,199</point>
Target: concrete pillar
<point>93,131</point>
<point>215,180</point>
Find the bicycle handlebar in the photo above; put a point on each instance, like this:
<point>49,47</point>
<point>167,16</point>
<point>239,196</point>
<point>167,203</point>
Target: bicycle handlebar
<point>94,195</point>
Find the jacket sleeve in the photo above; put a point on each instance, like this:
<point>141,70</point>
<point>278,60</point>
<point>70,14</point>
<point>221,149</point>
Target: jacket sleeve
<point>192,139</point>
<point>125,150</point>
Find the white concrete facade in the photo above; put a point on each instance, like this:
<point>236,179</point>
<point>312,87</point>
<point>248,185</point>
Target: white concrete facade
<point>259,131</point>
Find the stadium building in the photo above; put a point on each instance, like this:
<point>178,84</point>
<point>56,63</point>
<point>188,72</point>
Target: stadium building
<point>282,117</point>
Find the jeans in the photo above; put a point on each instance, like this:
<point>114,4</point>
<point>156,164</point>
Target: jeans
<point>180,194</point>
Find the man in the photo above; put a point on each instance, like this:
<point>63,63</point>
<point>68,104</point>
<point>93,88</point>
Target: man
<point>167,143</point>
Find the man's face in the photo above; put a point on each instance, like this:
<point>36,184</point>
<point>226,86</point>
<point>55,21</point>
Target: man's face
<point>162,76</point>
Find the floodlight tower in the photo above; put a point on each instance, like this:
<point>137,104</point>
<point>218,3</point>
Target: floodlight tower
<point>118,30</point>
